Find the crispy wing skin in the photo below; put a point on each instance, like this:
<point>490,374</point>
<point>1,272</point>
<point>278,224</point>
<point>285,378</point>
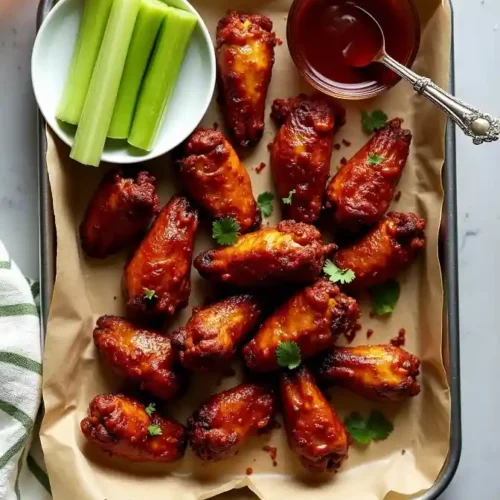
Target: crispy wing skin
<point>162,263</point>
<point>119,213</point>
<point>212,334</point>
<point>215,178</point>
<point>119,425</point>
<point>245,59</point>
<point>378,372</point>
<point>142,356</point>
<point>362,190</point>
<point>313,318</point>
<point>289,253</point>
<point>314,430</point>
<point>385,251</point>
<point>220,427</point>
<point>301,153</point>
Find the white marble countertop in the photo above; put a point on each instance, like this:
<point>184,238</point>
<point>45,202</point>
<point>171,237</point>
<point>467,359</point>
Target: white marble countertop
<point>477,43</point>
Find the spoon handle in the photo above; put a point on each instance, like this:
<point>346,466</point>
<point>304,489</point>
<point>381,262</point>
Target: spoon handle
<point>482,127</point>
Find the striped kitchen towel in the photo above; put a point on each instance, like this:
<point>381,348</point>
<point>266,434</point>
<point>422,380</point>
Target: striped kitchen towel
<point>22,474</point>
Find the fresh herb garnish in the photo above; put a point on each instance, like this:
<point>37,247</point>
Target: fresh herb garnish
<point>374,159</point>
<point>150,409</point>
<point>225,231</point>
<point>384,297</point>
<point>376,427</point>
<point>336,275</point>
<point>154,430</point>
<point>264,201</point>
<point>149,294</point>
<point>288,355</point>
<point>288,199</point>
<point>373,121</point>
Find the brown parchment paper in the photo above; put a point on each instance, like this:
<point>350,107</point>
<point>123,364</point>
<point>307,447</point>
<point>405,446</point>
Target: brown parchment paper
<point>403,465</point>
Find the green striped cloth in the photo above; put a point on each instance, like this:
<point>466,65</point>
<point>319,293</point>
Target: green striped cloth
<point>22,473</point>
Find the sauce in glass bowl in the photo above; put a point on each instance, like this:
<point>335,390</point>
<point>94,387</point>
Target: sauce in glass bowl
<point>316,35</point>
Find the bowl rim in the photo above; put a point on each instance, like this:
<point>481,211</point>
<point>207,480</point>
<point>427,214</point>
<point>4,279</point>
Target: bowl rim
<point>126,158</point>
<point>338,92</point>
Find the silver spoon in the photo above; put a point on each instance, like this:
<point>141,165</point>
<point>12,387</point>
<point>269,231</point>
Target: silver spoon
<point>480,126</point>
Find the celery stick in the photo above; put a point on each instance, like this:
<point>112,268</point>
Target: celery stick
<point>98,108</point>
<point>161,77</point>
<point>147,26</point>
<point>92,27</point>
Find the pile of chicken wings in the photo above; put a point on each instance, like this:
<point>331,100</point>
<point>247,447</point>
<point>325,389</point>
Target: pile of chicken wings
<point>245,322</point>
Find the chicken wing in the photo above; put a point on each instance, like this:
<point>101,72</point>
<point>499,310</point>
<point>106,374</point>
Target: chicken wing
<point>142,356</point>
<point>220,427</point>
<point>121,426</point>
<point>245,59</point>
<point>157,280</point>
<point>361,191</point>
<point>378,372</point>
<point>119,213</point>
<point>385,251</point>
<point>289,253</point>
<point>215,178</point>
<point>314,430</point>
<point>313,318</point>
<point>301,153</point>
<point>210,338</point>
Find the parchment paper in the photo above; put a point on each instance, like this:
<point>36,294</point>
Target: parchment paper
<point>403,465</point>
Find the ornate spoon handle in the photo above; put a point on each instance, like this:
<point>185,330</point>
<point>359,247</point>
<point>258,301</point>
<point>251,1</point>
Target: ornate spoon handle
<point>482,127</point>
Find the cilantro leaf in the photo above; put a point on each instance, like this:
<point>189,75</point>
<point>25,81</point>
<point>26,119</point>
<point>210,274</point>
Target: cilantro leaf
<point>385,297</point>
<point>375,428</point>
<point>154,430</point>
<point>374,159</point>
<point>373,121</point>
<point>150,409</point>
<point>288,355</point>
<point>336,275</point>
<point>288,199</point>
<point>225,231</point>
<point>149,294</point>
<point>264,201</point>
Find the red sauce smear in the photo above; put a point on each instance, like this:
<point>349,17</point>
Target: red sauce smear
<point>369,333</point>
<point>321,30</point>
<point>343,161</point>
<point>273,452</point>
<point>400,339</point>
<point>351,335</point>
<point>346,143</point>
<point>249,471</point>
<point>398,196</point>
<point>260,168</point>
<point>336,147</point>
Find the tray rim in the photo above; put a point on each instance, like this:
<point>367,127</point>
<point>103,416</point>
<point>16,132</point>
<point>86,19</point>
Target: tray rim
<point>47,249</point>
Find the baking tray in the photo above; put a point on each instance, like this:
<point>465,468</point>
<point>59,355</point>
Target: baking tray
<point>449,262</point>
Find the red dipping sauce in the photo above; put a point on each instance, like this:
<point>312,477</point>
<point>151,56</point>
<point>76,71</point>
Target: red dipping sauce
<point>317,31</point>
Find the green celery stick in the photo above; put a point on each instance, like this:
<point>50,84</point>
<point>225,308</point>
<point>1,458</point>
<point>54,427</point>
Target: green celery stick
<point>161,76</point>
<point>98,108</point>
<point>151,15</point>
<point>92,27</point>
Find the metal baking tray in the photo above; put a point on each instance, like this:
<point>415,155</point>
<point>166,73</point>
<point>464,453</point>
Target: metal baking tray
<point>449,262</point>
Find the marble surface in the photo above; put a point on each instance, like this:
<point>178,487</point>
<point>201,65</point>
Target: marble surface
<point>477,42</point>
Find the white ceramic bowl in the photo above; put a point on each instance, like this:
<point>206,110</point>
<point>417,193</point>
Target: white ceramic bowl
<point>50,62</point>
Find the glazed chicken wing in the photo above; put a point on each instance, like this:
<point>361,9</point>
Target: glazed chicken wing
<point>314,430</point>
<point>385,251</point>
<point>378,372</point>
<point>289,253</point>
<point>215,178</point>
<point>301,153</point>
<point>142,356</point>
<point>157,280</point>
<point>121,426</point>
<point>361,191</point>
<point>210,338</point>
<point>119,213</point>
<point>245,59</point>
<point>313,318</point>
<point>220,427</point>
